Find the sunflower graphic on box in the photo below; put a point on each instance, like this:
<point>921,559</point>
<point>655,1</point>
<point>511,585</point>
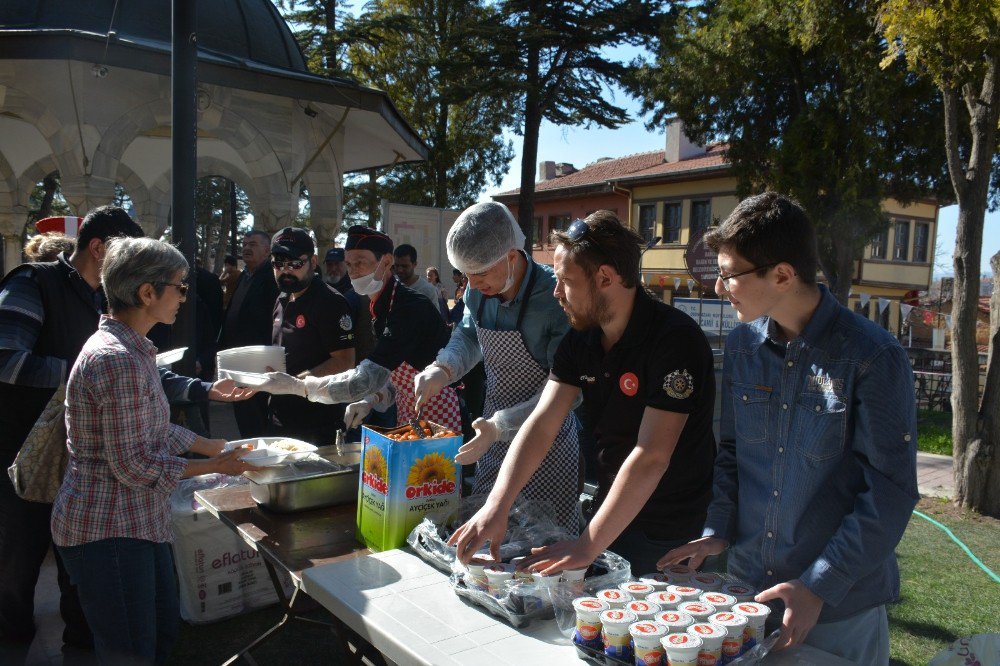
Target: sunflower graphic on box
<point>375,473</point>
<point>434,474</point>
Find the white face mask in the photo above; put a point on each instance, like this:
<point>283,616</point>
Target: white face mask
<point>366,285</point>
<point>510,278</point>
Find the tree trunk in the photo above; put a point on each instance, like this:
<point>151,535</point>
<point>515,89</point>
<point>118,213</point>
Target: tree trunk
<point>840,287</point>
<point>975,433</point>
<point>440,165</point>
<point>529,150</point>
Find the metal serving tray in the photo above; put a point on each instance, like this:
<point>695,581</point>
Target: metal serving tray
<point>326,478</point>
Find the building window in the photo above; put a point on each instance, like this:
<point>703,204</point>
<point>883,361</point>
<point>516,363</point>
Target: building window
<point>901,251</point>
<point>921,238</point>
<point>536,223</point>
<point>701,216</point>
<point>672,222</point>
<point>559,222</point>
<point>879,245</point>
<point>647,221</point>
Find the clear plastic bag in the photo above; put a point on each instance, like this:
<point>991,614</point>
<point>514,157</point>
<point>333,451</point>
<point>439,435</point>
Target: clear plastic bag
<point>531,525</point>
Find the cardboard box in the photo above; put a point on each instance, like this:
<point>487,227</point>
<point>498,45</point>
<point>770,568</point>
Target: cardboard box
<point>402,482</point>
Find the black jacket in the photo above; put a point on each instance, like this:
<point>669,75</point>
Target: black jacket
<point>253,320</point>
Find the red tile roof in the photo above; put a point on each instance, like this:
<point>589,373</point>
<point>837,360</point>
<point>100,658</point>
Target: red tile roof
<point>638,165</point>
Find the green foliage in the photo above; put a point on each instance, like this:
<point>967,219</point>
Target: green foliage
<point>934,432</point>
<point>796,91</point>
<point>316,30</point>
<point>421,52</point>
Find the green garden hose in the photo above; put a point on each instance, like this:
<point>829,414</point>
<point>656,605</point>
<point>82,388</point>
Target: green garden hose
<point>961,545</point>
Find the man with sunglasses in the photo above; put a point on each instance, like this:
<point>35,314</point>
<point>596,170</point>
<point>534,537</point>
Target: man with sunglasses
<point>646,375</point>
<point>313,322</point>
<point>514,326</point>
<point>816,473</point>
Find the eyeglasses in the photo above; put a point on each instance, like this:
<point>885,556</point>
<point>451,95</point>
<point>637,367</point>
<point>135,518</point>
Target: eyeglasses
<point>726,278</point>
<point>181,286</point>
<point>294,264</point>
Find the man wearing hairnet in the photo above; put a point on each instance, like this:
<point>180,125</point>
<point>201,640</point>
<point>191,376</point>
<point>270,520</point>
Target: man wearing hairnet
<point>513,324</point>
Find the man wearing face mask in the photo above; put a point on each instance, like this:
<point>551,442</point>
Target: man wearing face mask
<point>313,322</point>
<point>408,333</point>
<point>514,325</point>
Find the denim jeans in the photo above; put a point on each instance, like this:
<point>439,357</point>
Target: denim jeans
<point>861,638</point>
<point>129,595</point>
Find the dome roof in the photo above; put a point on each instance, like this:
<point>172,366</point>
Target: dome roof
<point>241,29</point>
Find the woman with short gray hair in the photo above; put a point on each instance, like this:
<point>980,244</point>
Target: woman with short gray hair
<point>111,518</point>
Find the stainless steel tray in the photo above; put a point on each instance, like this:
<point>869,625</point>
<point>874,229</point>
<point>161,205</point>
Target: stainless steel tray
<point>326,478</point>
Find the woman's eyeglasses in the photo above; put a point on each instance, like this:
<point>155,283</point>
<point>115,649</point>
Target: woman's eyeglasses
<point>181,286</point>
<point>294,264</point>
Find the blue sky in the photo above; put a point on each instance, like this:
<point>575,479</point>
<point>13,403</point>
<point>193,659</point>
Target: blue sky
<point>580,147</point>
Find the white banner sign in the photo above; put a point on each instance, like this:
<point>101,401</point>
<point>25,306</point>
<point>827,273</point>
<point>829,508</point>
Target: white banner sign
<point>711,312</point>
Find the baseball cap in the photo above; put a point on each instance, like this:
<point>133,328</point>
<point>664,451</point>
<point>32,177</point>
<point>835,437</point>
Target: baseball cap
<point>334,254</point>
<point>293,242</point>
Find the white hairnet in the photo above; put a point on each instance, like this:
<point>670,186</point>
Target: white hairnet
<point>481,236</point>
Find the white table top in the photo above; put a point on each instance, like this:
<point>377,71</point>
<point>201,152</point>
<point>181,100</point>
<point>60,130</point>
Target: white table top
<point>408,611</point>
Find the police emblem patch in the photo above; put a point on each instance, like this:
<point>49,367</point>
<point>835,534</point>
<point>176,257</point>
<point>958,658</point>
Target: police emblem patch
<point>346,323</point>
<point>679,384</point>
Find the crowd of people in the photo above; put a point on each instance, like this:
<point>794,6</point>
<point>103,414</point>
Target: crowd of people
<point>804,495</point>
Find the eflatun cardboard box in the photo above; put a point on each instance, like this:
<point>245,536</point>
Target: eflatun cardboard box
<point>404,481</point>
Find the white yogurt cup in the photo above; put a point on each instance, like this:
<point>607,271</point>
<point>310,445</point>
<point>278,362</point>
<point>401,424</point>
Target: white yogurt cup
<point>497,577</point>
<point>520,575</point>
<point>676,621</point>
<point>707,581</point>
<point>665,600</point>
<point>699,610</point>
<point>637,589</point>
<point>614,630</point>
<point>734,625</point>
<point>685,592</point>
<point>712,637</point>
<point>681,573</point>
<point>722,602</point>
<point>756,615</point>
<point>588,621</point>
<point>646,642</point>
<point>545,581</point>
<point>575,579</point>
<point>657,580</point>
<point>644,610</point>
<point>740,591</point>
<point>682,649</point>
<point>615,598</point>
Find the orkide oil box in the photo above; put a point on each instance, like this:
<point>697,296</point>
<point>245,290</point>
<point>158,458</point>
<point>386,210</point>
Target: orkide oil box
<point>404,481</point>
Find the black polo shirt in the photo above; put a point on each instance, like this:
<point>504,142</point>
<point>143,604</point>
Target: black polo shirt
<point>407,327</point>
<point>310,328</point>
<point>662,361</point>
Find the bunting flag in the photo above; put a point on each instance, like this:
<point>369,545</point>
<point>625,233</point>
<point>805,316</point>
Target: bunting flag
<point>928,317</point>
<point>663,280</point>
<point>677,284</point>
<point>904,310</point>
<point>690,285</point>
<point>947,321</point>
<point>883,303</point>
<point>864,298</point>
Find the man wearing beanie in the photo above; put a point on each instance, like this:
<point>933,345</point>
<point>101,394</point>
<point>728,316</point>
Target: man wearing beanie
<point>514,325</point>
<point>313,322</point>
<point>408,333</point>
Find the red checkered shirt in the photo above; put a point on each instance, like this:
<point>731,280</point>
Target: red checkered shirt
<point>122,446</point>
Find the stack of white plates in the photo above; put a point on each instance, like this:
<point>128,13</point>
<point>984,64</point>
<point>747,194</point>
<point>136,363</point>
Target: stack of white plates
<point>168,357</point>
<point>257,358</point>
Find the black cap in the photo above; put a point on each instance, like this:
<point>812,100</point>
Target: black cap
<point>365,238</point>
<point>293,242</point>
<point>334,254</point>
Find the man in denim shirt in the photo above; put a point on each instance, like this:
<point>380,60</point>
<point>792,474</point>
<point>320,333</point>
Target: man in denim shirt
<point>815,478</point>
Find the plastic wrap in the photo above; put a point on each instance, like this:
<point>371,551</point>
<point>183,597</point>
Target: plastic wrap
<point>531,525</point>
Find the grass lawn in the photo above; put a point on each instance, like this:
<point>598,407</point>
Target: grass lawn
<point>934,432</point>
<point>944,594</point>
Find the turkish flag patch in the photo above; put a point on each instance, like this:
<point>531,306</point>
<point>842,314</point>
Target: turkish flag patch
<point>629,384</point>
<point>300,321</point>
